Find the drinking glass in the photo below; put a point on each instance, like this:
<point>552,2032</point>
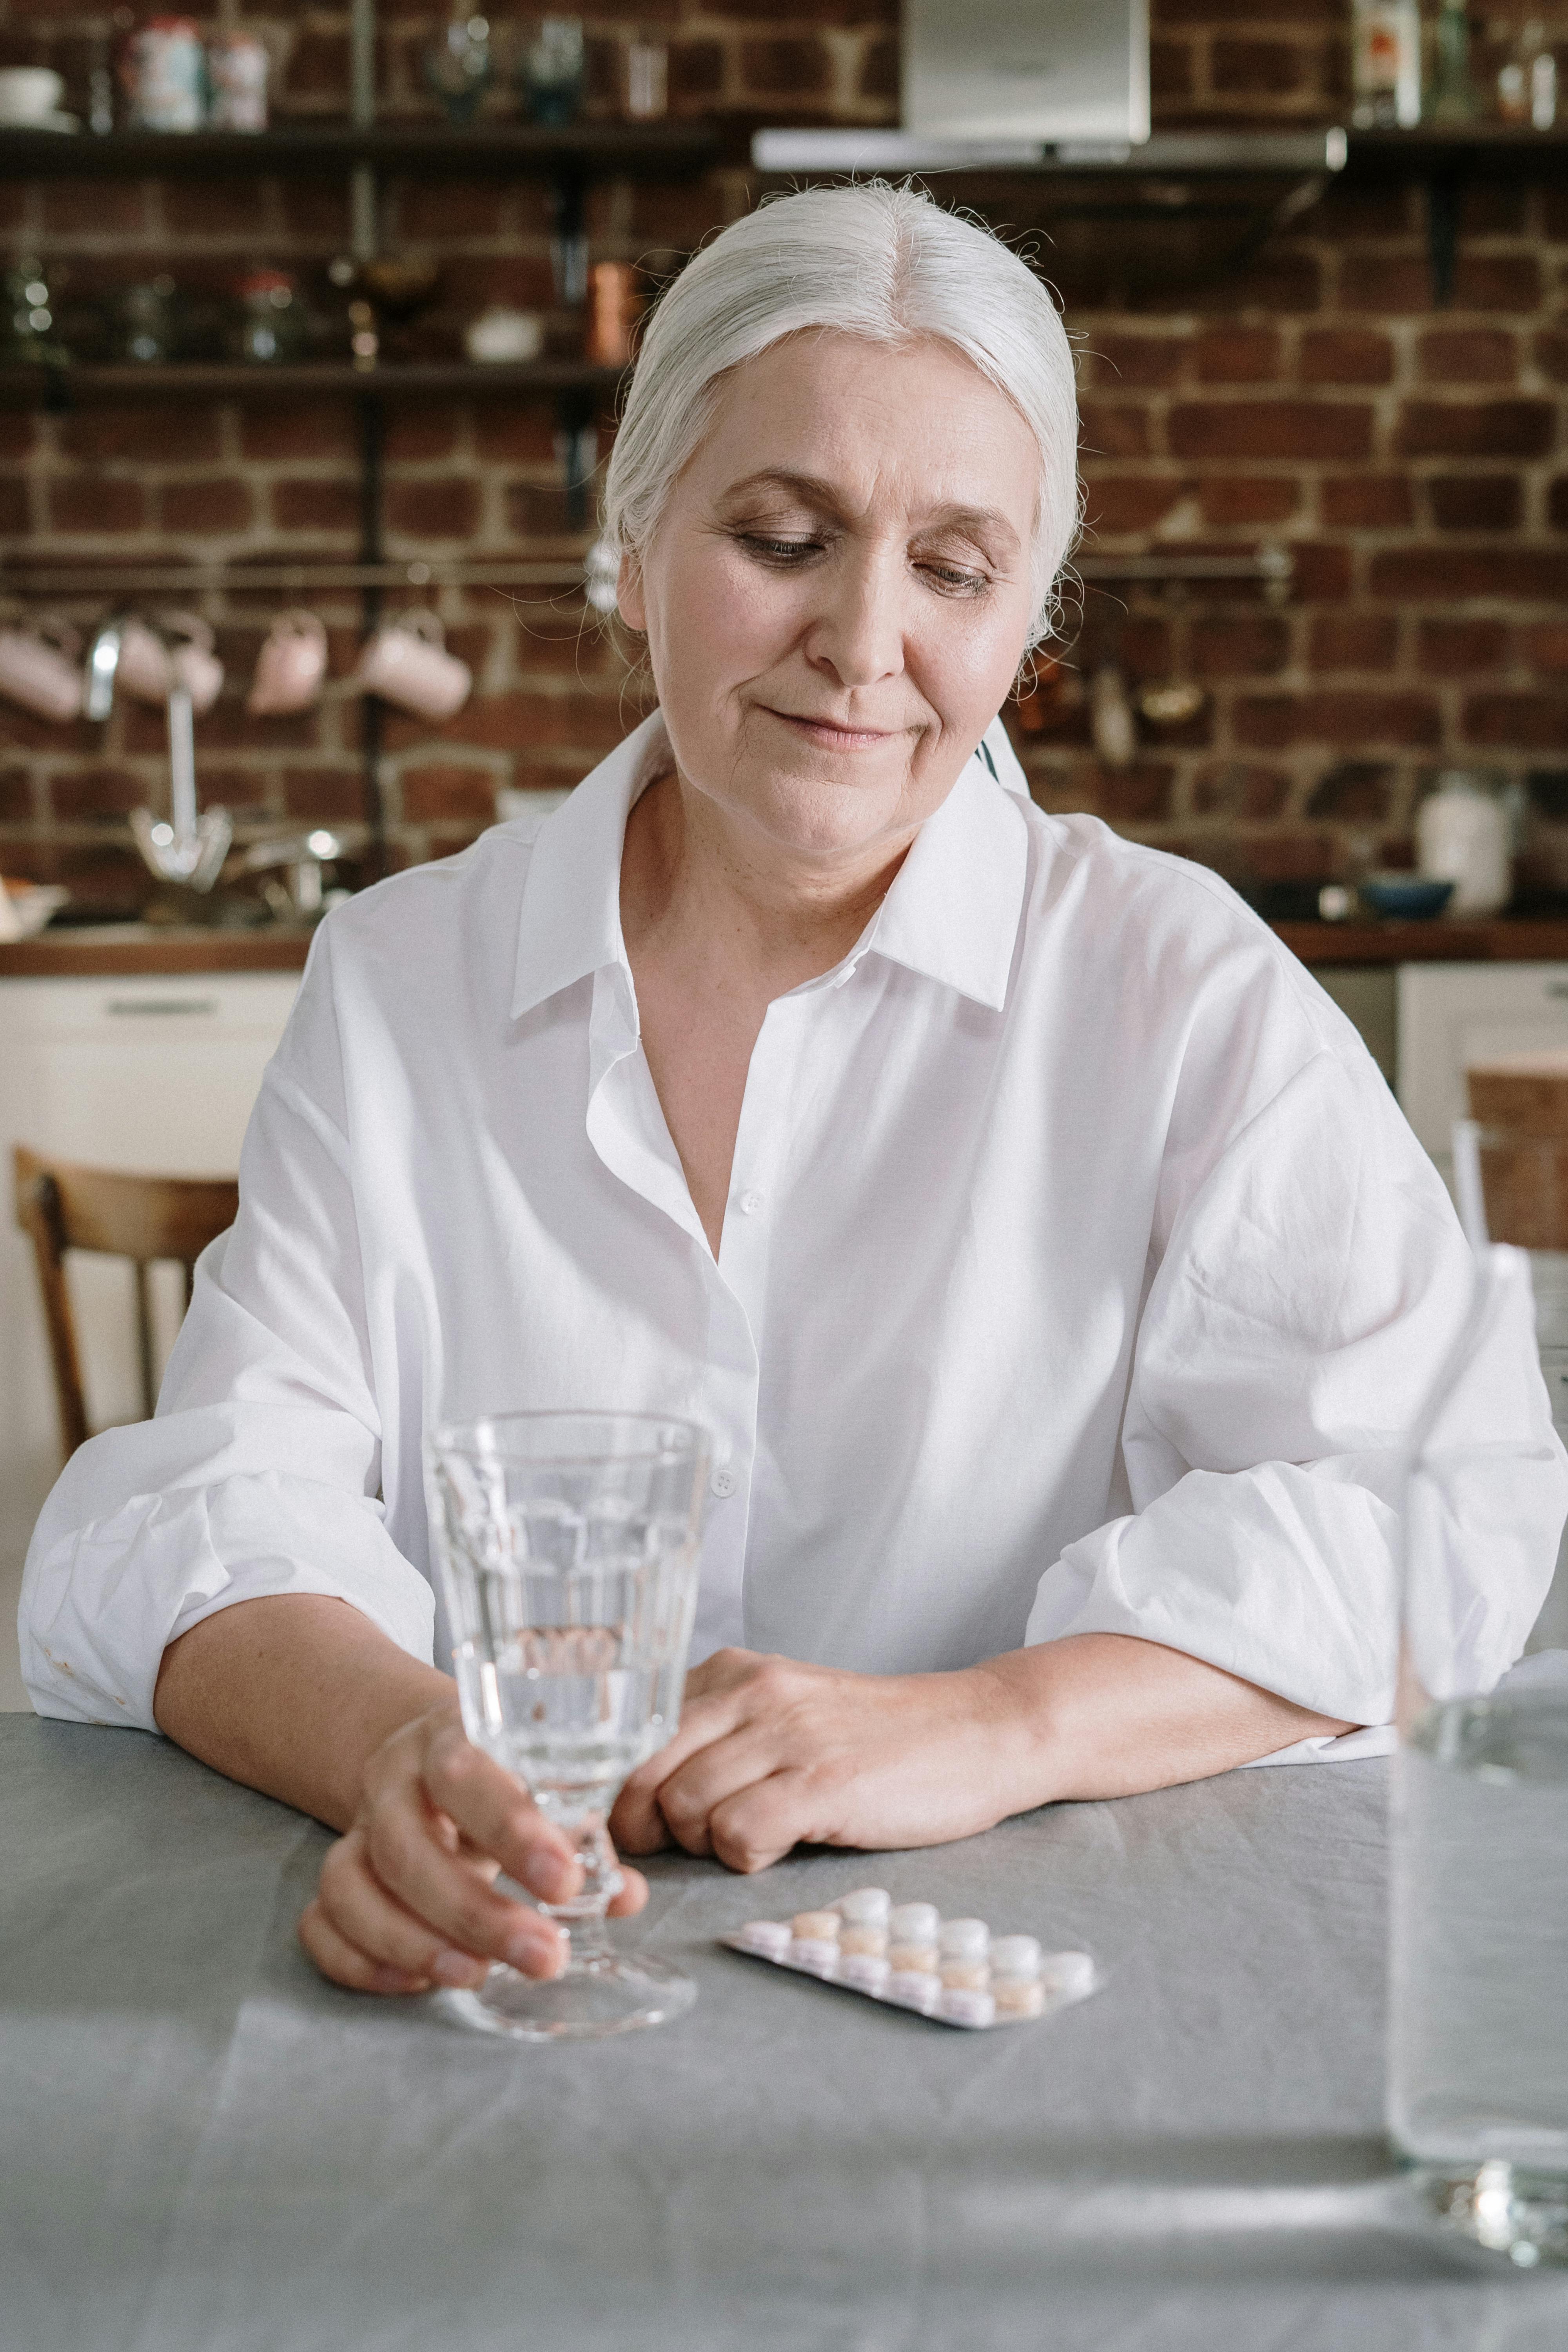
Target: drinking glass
<point>567,1547</point>
<point>1478,2082</point>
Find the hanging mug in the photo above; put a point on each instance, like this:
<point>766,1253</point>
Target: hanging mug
<point>291,669</point>
<point>406,661</point>
<point>39,667</point>
<point>148,665</point>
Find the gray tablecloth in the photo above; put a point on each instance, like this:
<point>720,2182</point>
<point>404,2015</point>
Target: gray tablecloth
<point>206,2148</point>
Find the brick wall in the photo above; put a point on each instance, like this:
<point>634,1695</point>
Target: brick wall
<point>1413,461</point>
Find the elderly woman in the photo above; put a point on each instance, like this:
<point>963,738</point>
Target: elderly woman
<point>1042,1247</point>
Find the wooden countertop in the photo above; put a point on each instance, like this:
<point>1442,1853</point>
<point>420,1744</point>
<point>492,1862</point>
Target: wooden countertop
<point>111,950</point>
<point>118,951</point>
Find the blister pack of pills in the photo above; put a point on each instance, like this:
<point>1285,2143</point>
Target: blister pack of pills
<point>906,1955</point>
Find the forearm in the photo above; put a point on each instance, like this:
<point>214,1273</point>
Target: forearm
<point>292,1695</point>
<point>1107,1715</point>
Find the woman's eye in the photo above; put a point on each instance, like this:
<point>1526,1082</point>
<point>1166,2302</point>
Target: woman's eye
<point>952,582</point>
<point>780,550</point>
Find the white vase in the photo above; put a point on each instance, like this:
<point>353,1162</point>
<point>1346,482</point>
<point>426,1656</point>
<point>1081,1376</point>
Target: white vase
<point>1462,836</point>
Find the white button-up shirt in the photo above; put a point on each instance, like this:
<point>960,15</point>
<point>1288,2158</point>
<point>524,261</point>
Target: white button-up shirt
<point>1079,1273</point>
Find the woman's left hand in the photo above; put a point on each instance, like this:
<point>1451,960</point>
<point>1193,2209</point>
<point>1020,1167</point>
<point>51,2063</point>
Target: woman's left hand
<point>773,1754</point>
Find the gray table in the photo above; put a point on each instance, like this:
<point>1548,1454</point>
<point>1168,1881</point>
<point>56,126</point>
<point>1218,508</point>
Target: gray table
<point>208,2149</point>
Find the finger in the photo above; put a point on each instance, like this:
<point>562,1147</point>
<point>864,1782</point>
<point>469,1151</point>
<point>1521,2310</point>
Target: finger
<point>633,1895</point>
<point>639,1825</point>
<point>718,1771</point>
<point>497,1814</point>
<point>361,1909</point>
<point>760,1824</point>
<point>446,1894</point>
<point>343,1964</point>
<point>723,1670</point>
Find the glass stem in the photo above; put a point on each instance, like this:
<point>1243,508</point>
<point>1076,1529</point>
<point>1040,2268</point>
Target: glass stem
<point>582,1915</point>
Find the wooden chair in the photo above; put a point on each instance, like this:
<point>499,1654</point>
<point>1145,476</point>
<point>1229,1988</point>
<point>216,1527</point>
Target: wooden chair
<point>143,1218</point>
<point>1520,1105</point>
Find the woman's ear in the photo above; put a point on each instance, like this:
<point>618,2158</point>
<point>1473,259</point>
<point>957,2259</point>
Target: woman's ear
<point>629,596</point>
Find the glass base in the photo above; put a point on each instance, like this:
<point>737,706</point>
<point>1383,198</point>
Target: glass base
<point>1506,2208</point>
<point>591,1998</point>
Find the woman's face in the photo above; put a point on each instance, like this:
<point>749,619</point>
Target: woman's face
<point>837,597</point>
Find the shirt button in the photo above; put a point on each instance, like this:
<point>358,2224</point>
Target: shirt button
<point>723,1482</point>
<point>752,1202</point>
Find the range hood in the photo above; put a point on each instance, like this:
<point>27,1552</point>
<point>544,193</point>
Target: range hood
<point>1031,70</point>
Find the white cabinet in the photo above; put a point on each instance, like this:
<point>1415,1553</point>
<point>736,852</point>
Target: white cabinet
<point>156,1076</point>
<point>1452,1014</point>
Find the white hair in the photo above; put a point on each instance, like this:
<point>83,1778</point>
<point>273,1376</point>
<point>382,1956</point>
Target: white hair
<point>873,260</point>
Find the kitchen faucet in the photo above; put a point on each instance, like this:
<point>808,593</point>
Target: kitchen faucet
<point>190,849</point>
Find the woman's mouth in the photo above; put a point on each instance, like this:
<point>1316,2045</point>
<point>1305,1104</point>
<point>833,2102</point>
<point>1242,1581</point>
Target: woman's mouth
<point>833,735</point>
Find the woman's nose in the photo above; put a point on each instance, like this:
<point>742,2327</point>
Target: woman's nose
<point>857,632</point>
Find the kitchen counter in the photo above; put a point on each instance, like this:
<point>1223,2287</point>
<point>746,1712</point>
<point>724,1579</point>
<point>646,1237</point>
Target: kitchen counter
<point>108,950</point>
<point>113,951</point>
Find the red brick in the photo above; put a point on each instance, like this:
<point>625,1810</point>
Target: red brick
<point>1487,428</point>
<point>216,502</point>
<point>1390,286</point>
<point>1346,355</point>
<point>525,435</point>
<point>152,434</point>
<point>1170,71</point>
<point>1250,647</point>
<point>1520,722</point>
<point>1258,68</point>
<point>1354,641</point>
<point>1557,503</point>
<point>785,68</point>
<point>15,803</point>
<point>450,208</point>
<point>1237,788</point>
<point>1546,648</point>
<point>1115,362</point>
<point>1289,13</point>
<point>416,434</point>
<point>695,73</point>
<point>317,66</point>
<point>1278,428</point>
<point>435,790</point>
<point>1229,499</point>
<point>1237,355</point>
<point>1476,501</point>
<point>18,437</point>
<point>444,508</point>
<point>531,722</point>
<point>1108,431</point>
<point>96,503</point>
<point>1551,353</point>
<point>335,794</point>
<point>94,207</point>
<point>1497,283</point>
<point>1367,501</point>
<point>1352,789</point>
<point>1441,575</point>
<point>1291,856</point>
<point>1273,722</point>
<point>1447,648</point>
<point>1130,795</point>
<point>1468,355</point>
<point>79,793</point>
<point>879,72</point>
<point>1128,502</point>
<point>1322,572</point>
<point>15,507</point>
<point>313,429</point>
<point>303,504</point>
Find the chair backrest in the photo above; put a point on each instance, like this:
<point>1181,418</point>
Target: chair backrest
<point>1520,1105</point>
<point>61,1206</point>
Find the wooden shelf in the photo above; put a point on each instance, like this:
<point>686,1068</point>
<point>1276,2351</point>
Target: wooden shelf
<point>1494,148</point>
<point>1497,939</point>
<point>489,150</point>
<point>130,950</point>
<point>40,386</point>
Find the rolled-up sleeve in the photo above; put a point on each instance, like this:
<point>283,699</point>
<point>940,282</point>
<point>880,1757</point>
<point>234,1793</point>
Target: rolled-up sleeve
<point>1312,1286</point>
<point>262,1472</point>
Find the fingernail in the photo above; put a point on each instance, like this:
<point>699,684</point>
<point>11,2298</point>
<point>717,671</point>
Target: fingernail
<point>549,1876</point>
<point>456,1969</point>
<point>535,1950</point>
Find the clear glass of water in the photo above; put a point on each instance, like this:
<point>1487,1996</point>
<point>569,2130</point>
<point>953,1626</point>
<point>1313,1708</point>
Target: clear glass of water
<point>1477,2083</point>
<point>567,1544</point>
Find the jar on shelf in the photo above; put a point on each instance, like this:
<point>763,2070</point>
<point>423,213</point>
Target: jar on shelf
<point>163,70</point>
<point>270,328</point>
<point>1386,63</point>
<point>148,321</point>
<point>237,70</point>
<point>554,65</point>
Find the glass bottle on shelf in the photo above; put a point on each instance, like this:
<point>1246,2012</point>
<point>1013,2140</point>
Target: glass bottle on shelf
<point>1453,90</point>
<point>554,67</point>
<point>1527,81</point>
<point>1385,62</point>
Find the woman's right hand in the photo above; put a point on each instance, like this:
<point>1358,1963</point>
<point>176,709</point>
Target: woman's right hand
<point>406,1898</point>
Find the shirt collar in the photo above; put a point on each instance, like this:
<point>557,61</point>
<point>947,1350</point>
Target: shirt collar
<point>952,914</point>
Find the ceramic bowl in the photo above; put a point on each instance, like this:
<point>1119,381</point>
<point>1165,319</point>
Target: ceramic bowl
<point>1411,896</point>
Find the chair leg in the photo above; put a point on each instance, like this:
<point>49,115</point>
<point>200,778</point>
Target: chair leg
<point>39,1214</point>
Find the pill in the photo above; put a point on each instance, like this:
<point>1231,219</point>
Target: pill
<point>769,1936</point>
<point>914,1922</point>
<point>1019,1996</point>
<point>1015,1956</point>
<point>866,1971</point>
<point>912,1989</point>
<point>964,1939</point>
<point>864,1939</point>
<point>819,1954</point>
<point>967,2008</point>
<point>818,1926</point>
<point>914,1960</point>
<point>1067,1975</point>
<point>965,1976</point>
<point>867,1906</point>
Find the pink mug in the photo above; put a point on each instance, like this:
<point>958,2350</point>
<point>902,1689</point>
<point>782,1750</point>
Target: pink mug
<point>406,661</point>
<point>148,668</point>
<point>39,667</point>
<point>289,669</point>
